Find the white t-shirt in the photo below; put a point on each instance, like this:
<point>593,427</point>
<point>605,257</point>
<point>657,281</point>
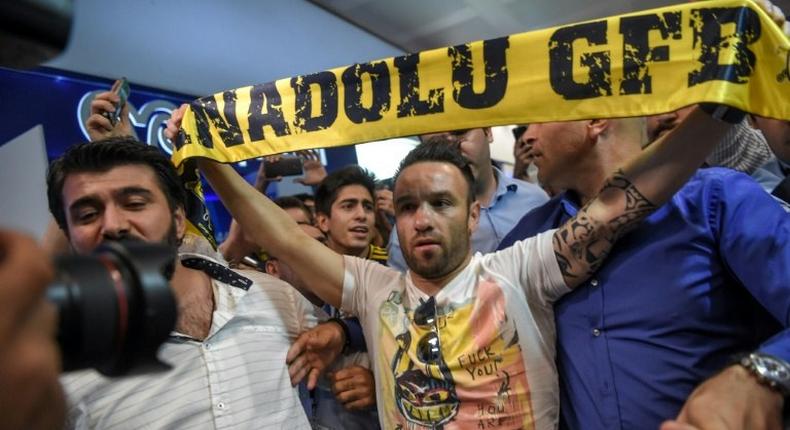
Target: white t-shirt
<point>495,325</point>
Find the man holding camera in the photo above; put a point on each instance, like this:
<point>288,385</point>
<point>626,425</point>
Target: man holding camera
<point>233,328</point>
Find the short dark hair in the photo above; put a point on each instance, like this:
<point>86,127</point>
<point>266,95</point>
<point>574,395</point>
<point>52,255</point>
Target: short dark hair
<point>439,149</point>
<point>291,202</point>
<point>329,188</point>
<point>304,197</point>
<point>384,184</point>
<point>103,155</point>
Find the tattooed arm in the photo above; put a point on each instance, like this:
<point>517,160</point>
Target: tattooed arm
<point>632,193</point>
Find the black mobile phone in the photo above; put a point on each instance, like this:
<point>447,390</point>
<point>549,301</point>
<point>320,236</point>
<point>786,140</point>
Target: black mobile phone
<point>120,87</point>
<point>519,131</point>
<point>286,166</point>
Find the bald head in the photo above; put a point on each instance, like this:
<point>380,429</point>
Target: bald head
<point>579,154</point>
<point>631,130</point>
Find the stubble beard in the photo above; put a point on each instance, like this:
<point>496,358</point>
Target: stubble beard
<point>450,256</point>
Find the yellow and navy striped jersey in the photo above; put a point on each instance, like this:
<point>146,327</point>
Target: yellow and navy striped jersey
<point>378,254</point>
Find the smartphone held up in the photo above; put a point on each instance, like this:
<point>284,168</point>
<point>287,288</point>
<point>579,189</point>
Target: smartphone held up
<point>284,166</point>
<point>121,88</point>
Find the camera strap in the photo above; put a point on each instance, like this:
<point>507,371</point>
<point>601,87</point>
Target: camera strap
<point>218,271</point>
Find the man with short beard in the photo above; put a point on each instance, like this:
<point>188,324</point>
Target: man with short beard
<point>232,325</point>
<point>463,340</point>
<point>503,200</point>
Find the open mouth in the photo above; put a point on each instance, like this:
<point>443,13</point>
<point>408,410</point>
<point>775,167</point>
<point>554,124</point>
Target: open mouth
<point>360,231</point>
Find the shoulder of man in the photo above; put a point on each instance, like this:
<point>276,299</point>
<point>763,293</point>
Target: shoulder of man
<point>719,178</point>
<point>520,186</point>
<point>542,218</point>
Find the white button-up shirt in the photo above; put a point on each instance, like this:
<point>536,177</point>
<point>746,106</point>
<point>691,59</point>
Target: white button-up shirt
<point>235,378</point>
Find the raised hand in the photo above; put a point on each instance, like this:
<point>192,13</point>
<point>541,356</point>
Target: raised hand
<point>314,171</point>
<point>99,127</point>
<point>174,123</point>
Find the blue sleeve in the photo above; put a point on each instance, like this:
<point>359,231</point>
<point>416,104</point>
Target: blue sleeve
<point>394,254</point>
<point>778,346</point>
<point>754,241</point>
<point>356,340</point>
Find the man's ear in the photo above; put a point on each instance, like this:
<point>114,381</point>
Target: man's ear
<point>322,222</point>
<point>474,216</point>
<point>489,134</point>
<point>180,221</point>
<point>271,269</point>
<point>595,128</point>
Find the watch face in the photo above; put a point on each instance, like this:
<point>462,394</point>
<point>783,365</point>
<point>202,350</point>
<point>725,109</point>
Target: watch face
<point>772,370</point>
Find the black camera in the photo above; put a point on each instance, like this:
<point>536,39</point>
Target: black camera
<point>115,307</point>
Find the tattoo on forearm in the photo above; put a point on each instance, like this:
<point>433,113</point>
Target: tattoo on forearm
<point>584,241</point>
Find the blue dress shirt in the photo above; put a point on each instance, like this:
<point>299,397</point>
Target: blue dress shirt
<point>770,174</point>
<point>512,199</point>
<point>704,277</point>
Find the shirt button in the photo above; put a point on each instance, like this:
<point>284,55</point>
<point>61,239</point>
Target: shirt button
<point>207,346</point>
<point>594,282</point>
<point>596,332</point>
<point>220,405</point>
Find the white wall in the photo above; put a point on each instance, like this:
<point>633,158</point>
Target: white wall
<point>201,47</point>
<point>23,188</point>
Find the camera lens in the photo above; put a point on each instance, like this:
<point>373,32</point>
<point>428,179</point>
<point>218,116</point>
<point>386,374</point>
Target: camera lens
<point>115,307</point>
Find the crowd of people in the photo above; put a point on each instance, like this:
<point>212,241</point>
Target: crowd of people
<point>632,273</point>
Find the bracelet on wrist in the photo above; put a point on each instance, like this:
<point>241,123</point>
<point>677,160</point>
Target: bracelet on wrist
<point>346,333</point>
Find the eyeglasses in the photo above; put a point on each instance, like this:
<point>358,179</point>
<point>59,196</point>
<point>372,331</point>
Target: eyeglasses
<point>429,348</point>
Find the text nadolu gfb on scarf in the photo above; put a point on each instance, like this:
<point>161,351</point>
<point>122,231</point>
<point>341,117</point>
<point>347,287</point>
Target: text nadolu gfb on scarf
<point>725,51</point>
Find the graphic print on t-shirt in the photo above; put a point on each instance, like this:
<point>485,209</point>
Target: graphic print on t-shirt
<point>455,365</point>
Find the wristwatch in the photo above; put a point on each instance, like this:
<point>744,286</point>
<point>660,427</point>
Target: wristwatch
<point>723,113</point>
<point>771,371</point>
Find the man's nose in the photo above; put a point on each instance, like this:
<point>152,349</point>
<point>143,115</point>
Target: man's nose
<point>530,136</point>
<point>115,224</point>
<point>423,220</point>
<point>360,212</point>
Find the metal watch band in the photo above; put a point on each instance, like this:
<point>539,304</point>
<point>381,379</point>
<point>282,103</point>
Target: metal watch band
<point>769,370</point>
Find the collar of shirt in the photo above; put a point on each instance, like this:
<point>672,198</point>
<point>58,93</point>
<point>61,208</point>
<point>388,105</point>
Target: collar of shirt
<point>228,287</point>
<point>570,202</point>
<point>784,167</point>
<point>504,185</point>
<point>215,270</point>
